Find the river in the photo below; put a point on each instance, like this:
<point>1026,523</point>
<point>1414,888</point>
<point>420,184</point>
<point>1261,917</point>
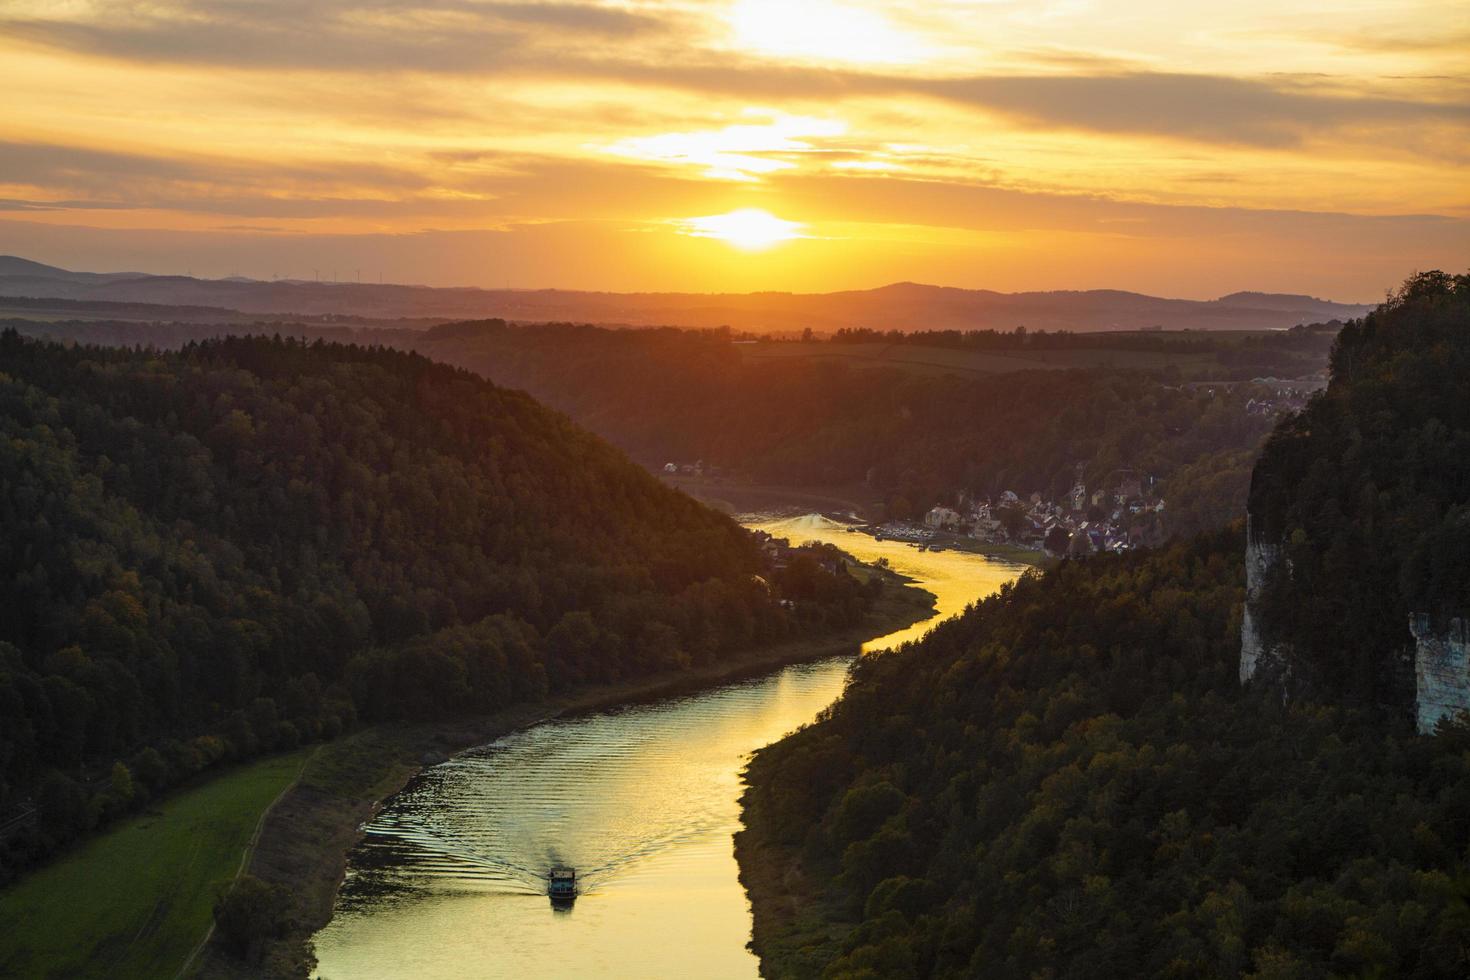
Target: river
<point>642,801</point>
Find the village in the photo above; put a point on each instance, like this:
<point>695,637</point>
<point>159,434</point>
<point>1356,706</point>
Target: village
<point>1267,397</point>
<point>1124,513</point>
<point>1121,515</point>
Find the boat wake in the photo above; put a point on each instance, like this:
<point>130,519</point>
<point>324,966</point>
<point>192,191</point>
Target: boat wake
<point>600,794</point>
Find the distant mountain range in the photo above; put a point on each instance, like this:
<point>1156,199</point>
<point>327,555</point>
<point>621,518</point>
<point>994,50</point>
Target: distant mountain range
<point>901,306</point>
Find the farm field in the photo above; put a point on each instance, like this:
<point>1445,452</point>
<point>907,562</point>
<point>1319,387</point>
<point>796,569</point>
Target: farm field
<point>135,901</point>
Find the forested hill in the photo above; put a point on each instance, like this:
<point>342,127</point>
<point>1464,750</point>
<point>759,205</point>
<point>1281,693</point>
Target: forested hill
<point>1069,780</point>
<point>250,543</point>
<point>915,437</point>
<point>1365,497</point>
<point>980,412</point>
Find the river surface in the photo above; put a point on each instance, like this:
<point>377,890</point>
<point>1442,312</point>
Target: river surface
<point>642,801</point>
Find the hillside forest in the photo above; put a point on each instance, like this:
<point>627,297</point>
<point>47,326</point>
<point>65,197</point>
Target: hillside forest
<point>247,544</point>
<point>810,416</point>
<point>1070,781</point>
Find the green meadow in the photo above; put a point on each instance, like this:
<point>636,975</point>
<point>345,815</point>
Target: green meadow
<point>134,901</point>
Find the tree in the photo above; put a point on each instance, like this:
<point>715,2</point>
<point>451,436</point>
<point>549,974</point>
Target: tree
<point>251,914</point>
<point>151,769</point>
<point>1057,540</point>
<point>120,784</point>
<point>1013,519</point>
<point>63,805</point>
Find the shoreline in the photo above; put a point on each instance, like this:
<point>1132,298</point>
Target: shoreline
<point>307,834</point>
<point>794,928</point>
<point>948,541</point>
<point>742,500</point>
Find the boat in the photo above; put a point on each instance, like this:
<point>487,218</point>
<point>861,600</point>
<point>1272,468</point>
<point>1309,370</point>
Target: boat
<point>561,885</point>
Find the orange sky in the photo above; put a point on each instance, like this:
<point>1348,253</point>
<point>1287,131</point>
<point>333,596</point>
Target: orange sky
<point>1179,149</point>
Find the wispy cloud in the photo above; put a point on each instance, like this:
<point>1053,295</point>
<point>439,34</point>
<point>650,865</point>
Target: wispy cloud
<point>329,35</point>
<point>1205,108</point>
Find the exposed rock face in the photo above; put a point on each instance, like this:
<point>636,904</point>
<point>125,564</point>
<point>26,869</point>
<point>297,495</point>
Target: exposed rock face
<point>1255,652</point>
<point>1268,662</point>
<point>1441,670</point>
<point>1358,522</point>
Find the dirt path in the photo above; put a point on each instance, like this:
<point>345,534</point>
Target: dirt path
<point>246,855</point>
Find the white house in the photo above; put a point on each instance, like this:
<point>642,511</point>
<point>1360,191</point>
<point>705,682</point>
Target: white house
<point>942,517</point>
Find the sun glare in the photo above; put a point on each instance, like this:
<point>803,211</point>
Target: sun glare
<point>749,228</point>
<point>819,30</point>
<point>742,151</point>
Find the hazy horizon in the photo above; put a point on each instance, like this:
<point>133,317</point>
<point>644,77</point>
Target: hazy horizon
<point>358,276</point>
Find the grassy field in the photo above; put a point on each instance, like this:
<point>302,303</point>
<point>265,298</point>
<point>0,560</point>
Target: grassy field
<point>135,901</point>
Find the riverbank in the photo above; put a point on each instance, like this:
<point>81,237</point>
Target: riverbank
<point>307,835</point>
<point>796,930</point>
<point>1016,553</point>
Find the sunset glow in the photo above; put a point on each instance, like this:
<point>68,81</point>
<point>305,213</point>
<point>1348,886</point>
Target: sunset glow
<point>821,31</point>
<point>1018,145</point>
<point>748,228</point>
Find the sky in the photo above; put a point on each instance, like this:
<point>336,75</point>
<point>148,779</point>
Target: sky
<point>1181,149</point>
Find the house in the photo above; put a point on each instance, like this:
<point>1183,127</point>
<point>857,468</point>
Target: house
<point>942,517</point>
<point>777,551</point>
<point>986,529</point>
<point>1031,533</point>
<point>1079,496</point>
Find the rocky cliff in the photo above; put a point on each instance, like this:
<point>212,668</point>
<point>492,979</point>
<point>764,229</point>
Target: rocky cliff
<point>1256,654</point>
<point>1358,543</point>
<point>1441,669</point>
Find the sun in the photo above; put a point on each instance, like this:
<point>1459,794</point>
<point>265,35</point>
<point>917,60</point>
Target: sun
<point>749,228</point>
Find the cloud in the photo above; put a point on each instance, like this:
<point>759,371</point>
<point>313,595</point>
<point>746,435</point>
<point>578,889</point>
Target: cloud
<point>984,206</point>
<point>588,43</point>
<point>1397,42</point>
<point>509,189</point>
<point>501,187</point>
<point>12,204</point>
<point>332,35</point>
<point>1272,111</point>
<point>739,151</point>
<point>1203,108</point>
<point>105,177</point>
